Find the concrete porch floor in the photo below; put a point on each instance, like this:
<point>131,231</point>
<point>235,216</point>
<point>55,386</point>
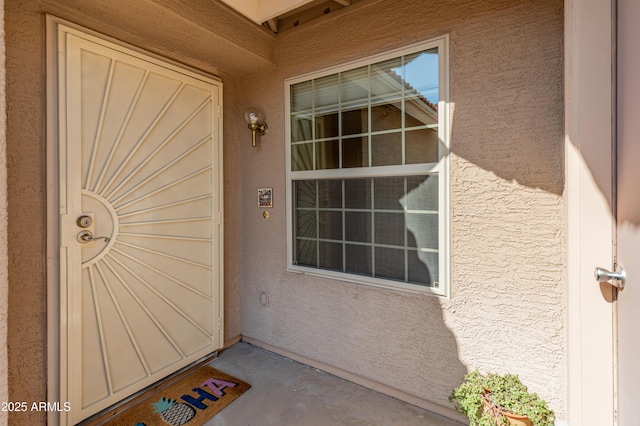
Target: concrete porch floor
<point>286,393</point>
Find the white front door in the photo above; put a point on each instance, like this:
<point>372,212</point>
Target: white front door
<point>140,209</point>
<point>628,210</point>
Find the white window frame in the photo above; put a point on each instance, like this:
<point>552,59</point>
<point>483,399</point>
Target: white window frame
<point>441,168</point>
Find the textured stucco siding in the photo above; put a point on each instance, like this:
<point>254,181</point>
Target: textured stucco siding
<point>506,310</point>
<point>26,301</point>
<point>4,279</point>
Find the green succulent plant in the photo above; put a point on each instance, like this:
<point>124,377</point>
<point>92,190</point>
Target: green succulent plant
<point>501,393</point>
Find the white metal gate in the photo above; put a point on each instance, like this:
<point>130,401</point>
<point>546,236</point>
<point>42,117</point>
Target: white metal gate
<point>140,207</point>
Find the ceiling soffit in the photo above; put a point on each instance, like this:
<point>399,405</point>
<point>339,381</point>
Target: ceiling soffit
<point>280,15</point>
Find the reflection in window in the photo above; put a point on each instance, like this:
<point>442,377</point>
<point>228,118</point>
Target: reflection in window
<point>398,96</point>
<point>366,152</point>
<point>384,239</point>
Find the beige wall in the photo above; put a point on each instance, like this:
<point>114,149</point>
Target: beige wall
<point>26,197</point>
<point>507,306</point>
<point>4,281</point>
<point>506,311</point>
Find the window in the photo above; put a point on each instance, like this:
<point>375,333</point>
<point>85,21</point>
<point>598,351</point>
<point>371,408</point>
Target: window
<point>367,170</point>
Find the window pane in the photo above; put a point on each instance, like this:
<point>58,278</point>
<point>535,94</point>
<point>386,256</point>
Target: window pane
<point>355,152</point>
<point>390,263</point>
<point>327,155</point>
<point>358,227</point>
<point>385,79</point>
<point>305,191</point>
<point>357,193</point>
<point>423,267</point>
<point>330,256</point>
<point>386,116</point>
<point>306,223</point>
<point>389,192</point>
<point>420,72</point>
<point>421,146</point>
<point>326,91</point>
<point>302,157</point>
<point>422,193</point>
<point>301,96</point>
<point>306,253</point>
<point>354,84</point>
<point>355,121</point>
<point>330,194</point>
<point>358,259</point>
<point>423,229</point>
<point>301,128</point>
<point>389,228</point>
<point>386,149</point>
<point>419,111</point>
<point>330,225</point>
<point>327,125</point>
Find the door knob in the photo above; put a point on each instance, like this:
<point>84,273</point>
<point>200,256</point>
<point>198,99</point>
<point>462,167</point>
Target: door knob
<point>619,277</point>
<point>87,236</point>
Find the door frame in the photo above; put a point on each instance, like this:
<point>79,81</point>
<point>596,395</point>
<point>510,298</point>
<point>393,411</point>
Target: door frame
<point>590,195</point>
<point>54,373</point>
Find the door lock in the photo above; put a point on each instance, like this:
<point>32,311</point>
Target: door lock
<point>84,221</point>
<point>619,277</point>
<point>87,236</point>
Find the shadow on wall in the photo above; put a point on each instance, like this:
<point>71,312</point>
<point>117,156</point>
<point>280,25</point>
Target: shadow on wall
<point>509,110</point>
<point>396,340</point>
<point>507,182</point>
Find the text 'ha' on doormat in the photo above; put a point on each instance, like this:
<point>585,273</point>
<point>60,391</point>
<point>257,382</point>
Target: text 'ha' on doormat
<point>190,401</point>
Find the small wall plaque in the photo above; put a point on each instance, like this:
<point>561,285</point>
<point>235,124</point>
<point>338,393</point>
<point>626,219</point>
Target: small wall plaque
<point>265,197</point>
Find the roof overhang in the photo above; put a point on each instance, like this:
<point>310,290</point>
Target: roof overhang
<point>260,11</point>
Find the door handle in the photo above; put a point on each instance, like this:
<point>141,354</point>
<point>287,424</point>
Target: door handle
<point>619,277</point>
<point>87,236</point>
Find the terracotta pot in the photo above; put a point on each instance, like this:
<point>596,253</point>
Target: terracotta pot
<point>516,420</point>
<point>513,419</point>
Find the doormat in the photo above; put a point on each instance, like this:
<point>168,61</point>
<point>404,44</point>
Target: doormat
<point>190,401</point>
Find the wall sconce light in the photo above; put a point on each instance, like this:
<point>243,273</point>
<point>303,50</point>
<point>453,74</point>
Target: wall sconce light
<point>255,120</point>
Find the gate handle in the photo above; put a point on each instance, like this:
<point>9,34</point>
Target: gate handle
<point>619,277</point>
<point>86,237</point>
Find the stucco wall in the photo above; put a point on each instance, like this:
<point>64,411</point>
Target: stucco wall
<point>4,279</point>
<point>26,197</point>
<point>506,311</point>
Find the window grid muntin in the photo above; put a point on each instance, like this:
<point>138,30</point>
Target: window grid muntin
<point>369,101</point>
<point>373,244</point>
<point>440,166</point>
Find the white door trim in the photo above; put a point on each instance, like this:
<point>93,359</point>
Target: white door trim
<point>54,298</point>
<point>590,221</point>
